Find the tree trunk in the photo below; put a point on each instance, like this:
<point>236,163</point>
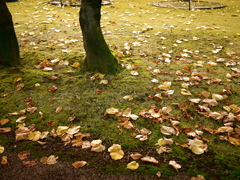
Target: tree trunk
<point>9,49</point>
<point>98,55</point>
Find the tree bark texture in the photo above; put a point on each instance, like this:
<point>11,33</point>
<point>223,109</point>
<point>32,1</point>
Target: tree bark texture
<point>9,49</point>
<point>98,55</point>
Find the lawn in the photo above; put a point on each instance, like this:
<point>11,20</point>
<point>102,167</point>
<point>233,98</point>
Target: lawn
<point>175,101</point>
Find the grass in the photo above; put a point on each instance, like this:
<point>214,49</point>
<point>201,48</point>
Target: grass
<point>78,94</point>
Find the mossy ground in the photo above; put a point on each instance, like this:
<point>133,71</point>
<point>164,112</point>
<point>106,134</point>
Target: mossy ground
<point>37,26</point>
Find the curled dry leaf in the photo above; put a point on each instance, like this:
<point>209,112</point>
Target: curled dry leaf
<point>21,119</point>
<point>145,131</point>
<point>116,152</point>
<point>49,160</point>
<point>197,146</point>
<point>58,109</point>
<point>23,155</point>
<point>168,130</point>
<point>34,136</point>
<point>199,177</point>
<point>165,141</point>
<point>103,82</point>
<point>133,165</point>
<point>62,130</point>
<point>175,165</point>
<point>79,164</point>
<point>136,155</point>
<point>142,137</point>
<point>133,116</point>
<point>29,163</point>
<point>4,160</point>
<point>165,86</point>
<point>163,149</point>
<point>149,159</point>
<point>19,87</point>
<point>112,111</point>
<point>128,97</point>
<point>97,146</point>
<point>53,88</point>
<point>185,92</point>
<point>5,130</point>
<point>73,130</point>
<point>4,121</point>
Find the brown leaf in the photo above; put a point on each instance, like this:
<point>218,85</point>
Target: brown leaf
<point>19,87</point>
<point>4,121</point>
<point>22,133</point>
<point>23,155</point>
<point>4,160</point>
<point>5,130</point>
<point>51,123</point>
<point>59,108</point>
<point>79,164</point>
<point>136,155</point>
<point>149,159</point>
<point>49,160</point>
<point>29,163</point>
<point>53,88</point>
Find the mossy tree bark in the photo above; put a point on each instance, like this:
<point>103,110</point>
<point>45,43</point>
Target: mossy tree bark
<point>98,55</point>
<point>9,49</point>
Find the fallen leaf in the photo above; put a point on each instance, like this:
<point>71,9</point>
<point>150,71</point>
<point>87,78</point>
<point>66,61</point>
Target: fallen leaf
<point>97,146</point>
<point>4,121</point>
<point>175,165</point>
<point>116,152</point>
<point>197,146</point>
<point>19,87</point>
<point>34,136</point>
<point>62,130</point>
<point>163,149</point>
<point>17,79</point>
<point>29,163</point>
<point>23,155</point>
<point>168,130</point>
<point>133,165</point>
<point>165,86</point>
<point>149,159</point>
<point>75,65</point>
<point>79,164</point>
<point>53,88</point>
<point>136,155</point>
<point>199,177</point>
<point>5,130</point>
<point>128,97</point>
<point>1,149</point>
<point>58,109</point>
<point>112,111</point>
<point>103,82</point>
<point>73,130</point>
<point>21,119</point>
<point>4,160</point>
<point>185,92</point>
<point>49,160</point>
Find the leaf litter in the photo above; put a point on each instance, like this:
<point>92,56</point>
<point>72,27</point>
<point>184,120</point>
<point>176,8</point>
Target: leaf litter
<point>228,116</point>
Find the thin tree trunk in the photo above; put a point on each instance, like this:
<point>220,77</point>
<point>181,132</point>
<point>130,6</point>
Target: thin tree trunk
<point>98,55</point>
<point>9,49</point>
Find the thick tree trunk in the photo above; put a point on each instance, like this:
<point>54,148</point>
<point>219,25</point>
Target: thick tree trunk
<point>9,49</point>
<point>98,56</point>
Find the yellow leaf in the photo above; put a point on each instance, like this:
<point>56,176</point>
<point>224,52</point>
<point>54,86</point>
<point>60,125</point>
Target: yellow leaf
<point>79,164</point>
<point>34,136</point>
<point>17,79</point>
<point>97,146</point>
<point>185,92</point>
<point>75,65</point>
<point>115,152</point>
<point>165,86</point>
<point>61,130</point>
<point>128,97</point>
<point>1,149</point>
<point>133,165</point>
<point>112,111</point>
